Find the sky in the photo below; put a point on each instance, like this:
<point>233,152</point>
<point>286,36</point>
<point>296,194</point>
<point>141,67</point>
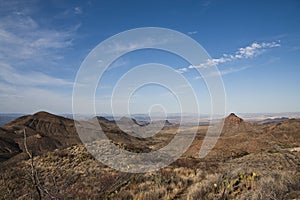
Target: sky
<point>254,44</point>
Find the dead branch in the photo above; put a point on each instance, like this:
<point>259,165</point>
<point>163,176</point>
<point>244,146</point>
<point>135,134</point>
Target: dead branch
<point>33,176</point>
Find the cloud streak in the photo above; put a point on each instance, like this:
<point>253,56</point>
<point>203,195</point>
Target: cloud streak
<point>250,51</point>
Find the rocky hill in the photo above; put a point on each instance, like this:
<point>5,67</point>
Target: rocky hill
<point>44,132</point>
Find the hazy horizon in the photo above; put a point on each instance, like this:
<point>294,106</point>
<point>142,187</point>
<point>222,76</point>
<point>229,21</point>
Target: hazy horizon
<point>157,114</point>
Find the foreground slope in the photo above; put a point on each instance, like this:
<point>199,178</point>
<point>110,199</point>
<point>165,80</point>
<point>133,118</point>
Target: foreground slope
<point>73,174</point>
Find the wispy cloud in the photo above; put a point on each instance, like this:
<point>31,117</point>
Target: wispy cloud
<point>140,42</point>
<point>30,46</point>
<point>23,38</point>
<point>192,32</point>
<point>77,10</point>
<point>182,70</point>
<point>224,72</point>
<point>120,62</point>
<point>206,3</point>
<point>17,78</point>
<point>250,51</point>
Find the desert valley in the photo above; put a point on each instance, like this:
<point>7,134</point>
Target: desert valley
<point>42,157</point>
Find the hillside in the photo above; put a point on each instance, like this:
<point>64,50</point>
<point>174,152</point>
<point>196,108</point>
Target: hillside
<point>249,161</point>
<point>44,132</point>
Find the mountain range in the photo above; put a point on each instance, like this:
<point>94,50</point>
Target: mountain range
<point>248,157</point>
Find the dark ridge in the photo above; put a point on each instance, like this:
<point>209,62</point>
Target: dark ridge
<point>273,121</point>
<point>103,119</point>
<point>8,148</point>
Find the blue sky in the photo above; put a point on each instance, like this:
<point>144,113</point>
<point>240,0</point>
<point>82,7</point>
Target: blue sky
<point>255,45</point>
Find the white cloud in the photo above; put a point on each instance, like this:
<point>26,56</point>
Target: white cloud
<point>254,49</point>
<point>182,70</point>
<point>14,77</point>
<point>77,10</point>
<point>250,51</point>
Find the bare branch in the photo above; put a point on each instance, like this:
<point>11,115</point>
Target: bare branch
<point>34,179</point>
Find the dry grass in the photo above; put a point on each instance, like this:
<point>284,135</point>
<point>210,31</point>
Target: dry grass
<point>73,174</point>
<point>268,176</point>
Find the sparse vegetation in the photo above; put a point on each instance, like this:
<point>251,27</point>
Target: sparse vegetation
<point>267,171</point>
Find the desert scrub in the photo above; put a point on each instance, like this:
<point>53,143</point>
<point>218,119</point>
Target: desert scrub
<point>167,183</point>
<point>204,189</point>
<point>236,184</point>
<point>277,184</point>
<point>223,186</point>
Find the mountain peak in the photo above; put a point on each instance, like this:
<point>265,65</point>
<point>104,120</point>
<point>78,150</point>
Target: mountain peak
<point>43,114</point>
<point>233,119</point>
